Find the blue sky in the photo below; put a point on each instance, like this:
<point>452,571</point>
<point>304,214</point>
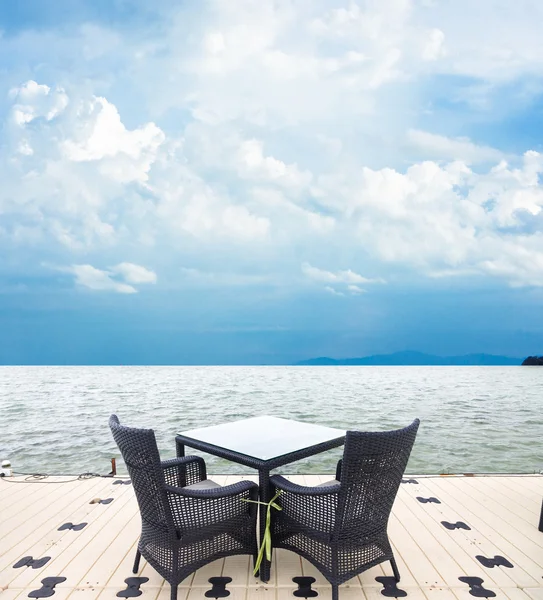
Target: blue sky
<point>266,181</point>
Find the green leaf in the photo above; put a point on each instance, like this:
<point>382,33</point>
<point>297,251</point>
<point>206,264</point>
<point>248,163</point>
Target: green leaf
<point>259,558</point>
<point>266,546</point>
<point>268,543</point>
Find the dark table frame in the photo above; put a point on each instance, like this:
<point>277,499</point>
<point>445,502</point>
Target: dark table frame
<point>263,466</point>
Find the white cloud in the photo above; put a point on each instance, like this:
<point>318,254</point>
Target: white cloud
<point>99,134</point>
<point>32,100</point>
<point>115,279</point>
<point>493,44</point>
<point>439,146</point>
<point>85,180</point>
<point>340,283</point>
<point>348,276</point>
<point>333,291</point>
<point>285,129</point>
<point>134,273</point>
<point>253,163</point>
<point>355,290</point>
<point>433,49</point>
<point>96,279</point>
<point>520,265</point>
<point>72,180</point>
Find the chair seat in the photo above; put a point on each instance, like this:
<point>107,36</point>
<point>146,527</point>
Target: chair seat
<point>206,484</point>
<point>329,483</point>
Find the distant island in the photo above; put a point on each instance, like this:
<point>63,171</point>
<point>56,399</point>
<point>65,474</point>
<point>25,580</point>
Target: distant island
<point>533,361</point>
<point>410,358</point>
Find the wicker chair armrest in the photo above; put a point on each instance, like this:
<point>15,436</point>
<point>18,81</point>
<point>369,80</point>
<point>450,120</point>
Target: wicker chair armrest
<point>226,491</point>
<point>280,483</point>
<point>184,470</point>
<point>310,509</point>
<point>194,510</point>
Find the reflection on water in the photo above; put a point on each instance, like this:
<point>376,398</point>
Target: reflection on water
<point>473,419</point>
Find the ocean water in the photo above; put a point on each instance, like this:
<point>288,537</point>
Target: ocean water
<point>473,419</point>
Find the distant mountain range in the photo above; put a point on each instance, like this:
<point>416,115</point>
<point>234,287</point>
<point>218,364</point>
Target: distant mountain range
<point>416,358</point>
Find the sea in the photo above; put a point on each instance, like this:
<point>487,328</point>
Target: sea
<point>473,419</point>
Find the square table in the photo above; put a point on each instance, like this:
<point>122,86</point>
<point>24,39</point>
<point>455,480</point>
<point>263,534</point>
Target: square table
<point>262,443</point>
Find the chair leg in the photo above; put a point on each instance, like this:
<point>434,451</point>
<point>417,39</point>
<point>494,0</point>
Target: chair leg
<point>395,569</point>
<point>335,591</point>
<point>137,561</point>
<point>174,592</point>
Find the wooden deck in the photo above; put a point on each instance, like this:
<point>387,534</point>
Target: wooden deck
<point>502,512</point>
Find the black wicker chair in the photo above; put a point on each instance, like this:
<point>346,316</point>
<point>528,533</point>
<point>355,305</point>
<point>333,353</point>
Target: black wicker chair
<point>187,519</point>
<point>341,526</point>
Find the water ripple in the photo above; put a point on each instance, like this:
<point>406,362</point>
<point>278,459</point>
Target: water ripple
<point>474,419</point>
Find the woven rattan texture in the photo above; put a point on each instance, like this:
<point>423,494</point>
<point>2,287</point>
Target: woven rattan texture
<point>342,529</point>
<point>183,529</point>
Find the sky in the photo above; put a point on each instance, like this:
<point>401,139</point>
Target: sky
<point>266,181</point>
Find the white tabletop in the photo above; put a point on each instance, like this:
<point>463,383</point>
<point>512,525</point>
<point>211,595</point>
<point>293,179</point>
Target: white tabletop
<point>265,437</point>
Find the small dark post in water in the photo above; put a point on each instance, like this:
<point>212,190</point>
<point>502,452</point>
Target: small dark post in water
<point>113,467</point>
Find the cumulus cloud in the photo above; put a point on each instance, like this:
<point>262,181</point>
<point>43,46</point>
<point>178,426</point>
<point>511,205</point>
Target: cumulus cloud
<point>96,279</point>
<point>99,134</point>
<point>272,131</point>
<point>134,273</point>
<point>115,279</point>
<point>85,179</point>
<point>32,100</point>
<point>253,163</point>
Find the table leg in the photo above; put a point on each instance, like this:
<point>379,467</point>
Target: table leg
<point>541,519</point>
<point>264,485</point>
<point>181,473</point>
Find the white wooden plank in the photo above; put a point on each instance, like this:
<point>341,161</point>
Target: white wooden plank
<point>516,502</point>
<point>214,569</point>
<point>515,489</point>
<point>515,593</point>
<point>99,558</point>
<point>36,536</point>
<point>102,570</point>
<point>238,568</point>
<point>77,551</point>
<point>496,531</point>
<point>288,565</point>
<point>263,592</point>
<point>503,510</point>
<point>420,565</point>
<point>123,568</point>
<point>461,544</point>
<point>35,502</point>
<point>446,564</point>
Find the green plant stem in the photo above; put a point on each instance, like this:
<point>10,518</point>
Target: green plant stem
<point>266,546</point>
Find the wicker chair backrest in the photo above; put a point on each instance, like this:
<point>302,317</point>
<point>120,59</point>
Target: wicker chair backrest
<point>140,454</point>
<point>372,469</point>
